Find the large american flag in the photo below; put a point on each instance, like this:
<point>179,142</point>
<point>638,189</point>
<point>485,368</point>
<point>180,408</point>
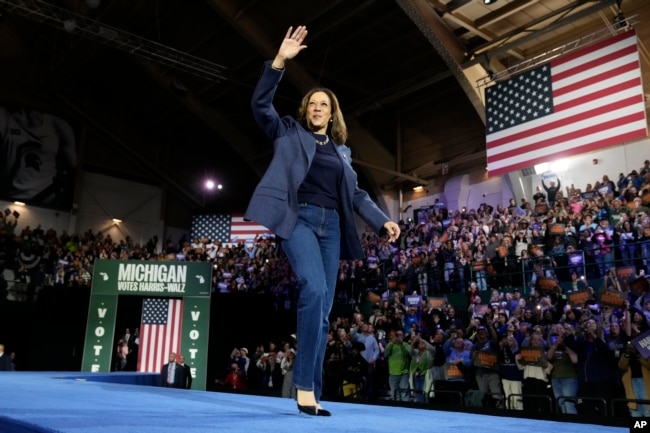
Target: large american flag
<point>580,102</point>
<point>225,228</point>
<point>160,333</point>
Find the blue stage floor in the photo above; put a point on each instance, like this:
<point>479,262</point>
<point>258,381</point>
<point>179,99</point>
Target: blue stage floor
<point>96,403</point>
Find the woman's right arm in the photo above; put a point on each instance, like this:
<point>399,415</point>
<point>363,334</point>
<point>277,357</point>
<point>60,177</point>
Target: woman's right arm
<point>264,112</point>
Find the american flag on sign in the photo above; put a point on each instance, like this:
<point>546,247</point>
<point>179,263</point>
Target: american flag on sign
<point>225,228</point>
<point>160,333</point>
<point>580,102</point>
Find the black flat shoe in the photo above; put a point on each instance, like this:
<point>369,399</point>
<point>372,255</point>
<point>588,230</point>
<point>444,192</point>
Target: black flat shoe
<point>314,411</point>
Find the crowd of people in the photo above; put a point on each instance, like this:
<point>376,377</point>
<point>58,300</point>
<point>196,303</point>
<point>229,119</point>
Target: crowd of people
<point>583,235</point>
<point>537,353</point>
<point>523,342</point>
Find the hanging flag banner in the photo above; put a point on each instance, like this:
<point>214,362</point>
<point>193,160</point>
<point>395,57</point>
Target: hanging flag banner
<point>226,228</point>
<point>160,332</point>
<point>580,102</point>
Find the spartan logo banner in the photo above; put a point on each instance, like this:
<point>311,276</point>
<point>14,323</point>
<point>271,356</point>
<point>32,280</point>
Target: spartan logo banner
<point>152,278</point>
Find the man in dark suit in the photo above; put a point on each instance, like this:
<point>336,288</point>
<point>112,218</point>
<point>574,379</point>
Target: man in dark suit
<point>187,382</point>
<point>5,359</point>
<point>172,374</point>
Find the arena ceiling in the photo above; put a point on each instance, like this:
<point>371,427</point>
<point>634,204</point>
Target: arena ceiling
<point>159,90</point>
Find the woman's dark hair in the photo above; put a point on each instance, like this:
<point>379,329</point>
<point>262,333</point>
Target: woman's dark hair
<point>337,127</point>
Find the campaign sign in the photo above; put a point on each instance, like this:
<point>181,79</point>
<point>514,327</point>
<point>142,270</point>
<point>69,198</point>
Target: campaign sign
<point>413,300</point>
<point>578,298</point>
<point>642,344</point>
<point>613,298</point>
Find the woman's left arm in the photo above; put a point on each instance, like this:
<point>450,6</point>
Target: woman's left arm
<point>373,216</point>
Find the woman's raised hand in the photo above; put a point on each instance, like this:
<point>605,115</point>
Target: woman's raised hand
<point>291,45</point>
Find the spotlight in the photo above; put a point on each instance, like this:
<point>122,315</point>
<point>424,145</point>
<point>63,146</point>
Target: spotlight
<point>489,2</point>
<point>117,220</point>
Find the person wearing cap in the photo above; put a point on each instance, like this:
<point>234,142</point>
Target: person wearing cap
<point>484,357</point>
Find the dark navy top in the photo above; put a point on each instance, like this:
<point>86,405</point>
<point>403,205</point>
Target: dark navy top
<point>321,186</point>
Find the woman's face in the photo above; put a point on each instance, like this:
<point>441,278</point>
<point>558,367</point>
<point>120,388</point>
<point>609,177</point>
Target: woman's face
<point>319,112</point>
<point>536,340</point>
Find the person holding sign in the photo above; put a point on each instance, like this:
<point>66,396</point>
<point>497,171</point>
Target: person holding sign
<point>459,362</point>
<point>486,363</point>
<point>511,375</point>
<point>536,368</point>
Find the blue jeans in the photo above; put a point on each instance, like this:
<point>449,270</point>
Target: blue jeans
<point>638,386</point>
<point>449,269</point>
<point>313,252</point>
<point>481,280</point>
<point>604,261</point>
<point>399,387</point>
<point>421,395</point>
<point>568,388</point>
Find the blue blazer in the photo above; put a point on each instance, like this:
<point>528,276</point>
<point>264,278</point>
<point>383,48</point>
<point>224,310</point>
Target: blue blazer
<point>275,201</point>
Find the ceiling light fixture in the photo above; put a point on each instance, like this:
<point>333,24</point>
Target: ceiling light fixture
<point>489,2</point>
